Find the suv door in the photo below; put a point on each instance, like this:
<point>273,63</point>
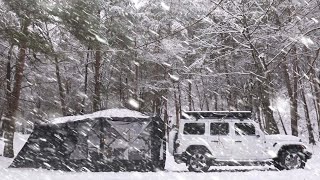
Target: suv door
<point>220,140</point>
<point>247,145</point>
<point>191,133</point>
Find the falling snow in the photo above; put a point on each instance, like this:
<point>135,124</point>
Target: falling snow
<point>134,103</point>
<point>165,6</point>
<point>306,41</point>
<point>163,86</point>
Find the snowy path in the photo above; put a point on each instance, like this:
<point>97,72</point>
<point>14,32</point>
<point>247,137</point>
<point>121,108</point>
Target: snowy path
<point>13,174</point>
<point>174,171</point>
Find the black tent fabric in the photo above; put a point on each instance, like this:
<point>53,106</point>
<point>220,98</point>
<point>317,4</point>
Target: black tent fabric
<point>99,144</point>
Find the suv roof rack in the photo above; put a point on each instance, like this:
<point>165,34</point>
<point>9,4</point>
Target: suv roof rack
<point>216,114</point>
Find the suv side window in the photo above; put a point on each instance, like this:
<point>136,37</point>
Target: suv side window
<point>244,129</point>
<point>194,128</point>
<point>219,128</point>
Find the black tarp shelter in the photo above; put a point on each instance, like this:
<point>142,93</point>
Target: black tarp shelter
<point>96,144</point>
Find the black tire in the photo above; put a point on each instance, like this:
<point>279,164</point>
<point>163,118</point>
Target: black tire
<point>198,161</point>
<point>290,159</point>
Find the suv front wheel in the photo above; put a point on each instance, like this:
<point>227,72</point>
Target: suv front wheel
<point>198,161</point>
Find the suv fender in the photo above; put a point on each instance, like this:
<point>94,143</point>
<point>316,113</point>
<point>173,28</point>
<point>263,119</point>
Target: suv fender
<point>277,148</point>
<point>183,157</point>
<point>286,147</point>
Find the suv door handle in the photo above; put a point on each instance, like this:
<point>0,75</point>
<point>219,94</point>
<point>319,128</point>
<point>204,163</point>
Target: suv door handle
<point>238,141</point>
<point>215,141</point>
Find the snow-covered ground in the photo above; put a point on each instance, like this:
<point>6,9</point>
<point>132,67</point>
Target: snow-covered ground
<point>173,171</point>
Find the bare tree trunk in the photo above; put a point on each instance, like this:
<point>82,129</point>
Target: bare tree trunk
<point>306,112</point>
<point>264,90</point>
<point>97,81</point>
<point>157,102</point>
<point>271,125</point>
<point>61,89</point>
<point>165,99</point>
<point>8,74</point>
<point>294,99</point>
<point>121,96</point>
<point>314,99</point>
<point>166,116</point>
<point>207,102</point>
<point>137,77</point>
<point>13,100</point>
<point>292,92</point>
<point>229,94</point>
<point>314,82</point>
<point>199,97</point>
<point>206,96</point>
<point>176,104</point>
<point>259,118</point>
<point>179,98</point>
<point>190,95</point>
<point>8,84</point>
<point>284,128</point>
<point>86,66</point>
<point>215,102</point>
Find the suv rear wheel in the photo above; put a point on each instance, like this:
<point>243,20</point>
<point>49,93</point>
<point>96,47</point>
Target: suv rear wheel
<point>198,161</point>
<point>290,159</point>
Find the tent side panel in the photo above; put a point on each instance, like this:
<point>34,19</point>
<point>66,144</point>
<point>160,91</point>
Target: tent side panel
<point>28,156</point>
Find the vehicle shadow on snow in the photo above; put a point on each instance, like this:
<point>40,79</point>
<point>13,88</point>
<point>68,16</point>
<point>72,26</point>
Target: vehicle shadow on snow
<point>241,170</point>
<point>231,170</point>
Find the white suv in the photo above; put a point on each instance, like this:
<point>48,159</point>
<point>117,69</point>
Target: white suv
<point>206,139</point>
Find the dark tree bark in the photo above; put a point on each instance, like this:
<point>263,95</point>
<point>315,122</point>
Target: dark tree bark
<point>271,125</point>
<point>230,99</point>
<point>62,92</point>
<point>8,84</point>
<point>259,117</point>
<point>86,66</point>
<point>315,86</point>
<point>207,97</point>
<point>97,81</point>
<point>306,112</point>
<point>190,95</point>
<point>177,104</point>
<point>157,104</point>
<point>200,98</point>
<point>314,83</point>
<point>294,97</point>
<point>215,102</point>
<point>13,99</point>
<point>283,126</point>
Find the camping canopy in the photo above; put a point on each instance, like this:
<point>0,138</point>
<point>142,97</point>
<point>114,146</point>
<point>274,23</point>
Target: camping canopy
<point>96,142</point>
